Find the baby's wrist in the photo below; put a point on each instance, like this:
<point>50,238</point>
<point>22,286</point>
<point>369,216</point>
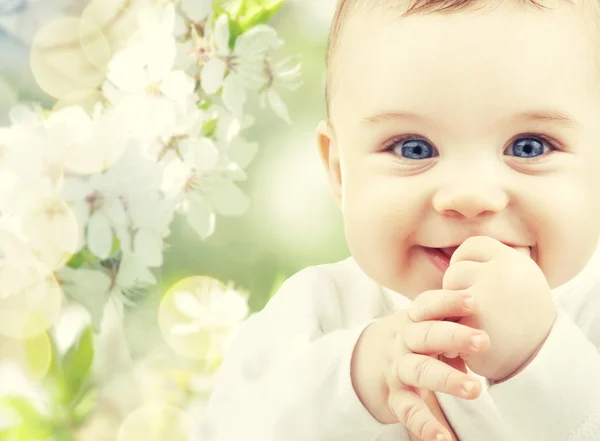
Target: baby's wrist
<point>368,370</point>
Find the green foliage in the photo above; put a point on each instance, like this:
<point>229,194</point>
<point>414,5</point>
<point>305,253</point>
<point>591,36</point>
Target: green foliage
<point>71,396</point>
<point>86,256</point>
<point>30,425</point>
<point>85,406</point>
<point>77,365</point>
<point>245,14</point>
<point>209,128</point>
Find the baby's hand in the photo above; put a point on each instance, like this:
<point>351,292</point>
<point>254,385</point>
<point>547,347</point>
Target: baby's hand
<point>395,362</point>
<point>514,303</point>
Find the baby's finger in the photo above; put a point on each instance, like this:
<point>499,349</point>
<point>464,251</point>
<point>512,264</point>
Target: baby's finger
<point>424,372</point>
<point>441,303</point>
<point>413,413</point>
<point>442,337</point>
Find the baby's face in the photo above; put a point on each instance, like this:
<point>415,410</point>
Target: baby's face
<point>474,123</point>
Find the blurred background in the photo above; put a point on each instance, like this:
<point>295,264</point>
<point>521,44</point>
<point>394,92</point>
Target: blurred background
<point>293,221</point>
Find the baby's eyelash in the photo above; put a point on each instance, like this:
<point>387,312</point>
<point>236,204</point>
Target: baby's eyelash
<point>387,147</point>
<point>392,142</point>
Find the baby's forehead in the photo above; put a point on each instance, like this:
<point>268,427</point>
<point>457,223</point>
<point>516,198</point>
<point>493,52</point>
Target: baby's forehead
<point>432,64</point>
<point>356,13</point>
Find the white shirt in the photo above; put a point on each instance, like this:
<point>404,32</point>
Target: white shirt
<point>287,375</point>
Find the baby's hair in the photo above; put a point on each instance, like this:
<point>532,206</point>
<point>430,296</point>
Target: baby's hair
<point>410,7</point>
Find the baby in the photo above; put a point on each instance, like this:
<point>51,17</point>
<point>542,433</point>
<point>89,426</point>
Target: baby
<point>462,143</point>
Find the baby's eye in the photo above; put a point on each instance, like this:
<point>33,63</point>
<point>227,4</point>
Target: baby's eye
<point>527,148</point>
<point>413,149</point>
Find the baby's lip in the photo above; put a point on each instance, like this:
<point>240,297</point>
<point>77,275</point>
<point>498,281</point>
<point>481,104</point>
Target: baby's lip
<point>449,251</point>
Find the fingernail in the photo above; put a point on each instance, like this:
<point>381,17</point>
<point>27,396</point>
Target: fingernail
<point>476,341</point>
<point>440,437</point>
<point>468,387</point>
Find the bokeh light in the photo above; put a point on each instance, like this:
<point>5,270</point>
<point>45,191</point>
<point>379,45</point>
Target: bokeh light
<point>197,315</point>
<point>61,64</point>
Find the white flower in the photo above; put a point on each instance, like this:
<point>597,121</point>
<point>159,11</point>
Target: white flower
<point>87,144</point>
<point>240,69</point>
<point>211,306</point>
<point>141,82</point>
<point>196,10</point>
<point>228,138</point>
<point>27,288</point>
<point>142,240</point>
<point>104,202</point>
<point>201,186</point>
<point>186,131</point>
<point>147,214</point>
<point>284,74</point>
<point>98,209</point>
<point>33,161</point>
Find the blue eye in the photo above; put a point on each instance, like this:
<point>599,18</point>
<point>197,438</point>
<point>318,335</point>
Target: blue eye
<point>527,148</point>
<point>414,149</point>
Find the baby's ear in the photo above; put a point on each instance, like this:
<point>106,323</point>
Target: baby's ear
<point>330,156</point>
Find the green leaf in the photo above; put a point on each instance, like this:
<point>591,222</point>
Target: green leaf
<point>76,261</point>
<point>83,256</point>
<point>32,425</point>
<point>209,128</point>
<point>205,104</point>
<point>116,246</point>
<point>54,381</point>
<point>21,407</point>
<point>77,364</point>
<point>245,14</point>
<point>85,406</point>
<point>38,352</point>
<point>260,13</point>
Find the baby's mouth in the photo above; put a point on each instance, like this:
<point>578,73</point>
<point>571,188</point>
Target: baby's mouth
<point>449,251</point>
<point>530,251</point>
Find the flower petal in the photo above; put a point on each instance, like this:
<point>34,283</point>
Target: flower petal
<point>148,247</point>
<point>126,70</point>
<point>201,218</point>
<point>177,85</point>
<point>161,58</point>
<point>256,41</point>
<point>234,94</point>
<point>99,236</point>
<point>227,199</point>
<point>278,106</point>
<point>212,75</point>
<point>204,154</point>
<point>221,35</point>
<point>197,10</point>
<point>242,152</point>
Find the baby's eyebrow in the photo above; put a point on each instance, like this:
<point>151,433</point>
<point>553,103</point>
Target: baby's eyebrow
<point>547,116</point>
<point>551,116</point>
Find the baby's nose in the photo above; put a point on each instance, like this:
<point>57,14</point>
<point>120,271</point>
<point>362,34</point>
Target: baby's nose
<point>469,200</point>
